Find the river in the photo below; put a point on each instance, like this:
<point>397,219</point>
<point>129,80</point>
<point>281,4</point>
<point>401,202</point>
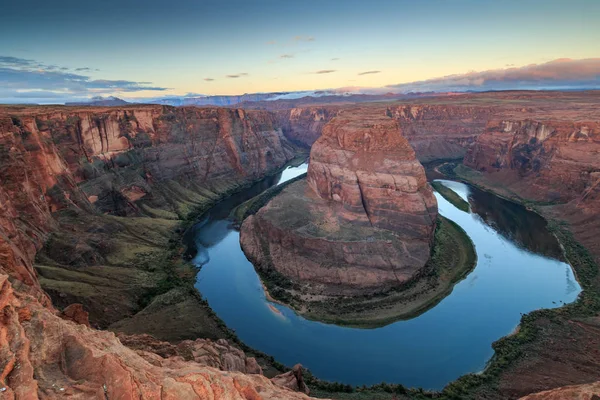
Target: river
<point>519,269</point>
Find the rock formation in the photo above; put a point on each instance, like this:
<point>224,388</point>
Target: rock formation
<point>69,177</point>
<point>434,131</point>
<point>303,125</point>
<point>363,220</point>
<point>440,131</point>
<point>62,168</point>
<point>548,161</point>
<point>292,380</point>
<point>590,391</point>
<point>363,162</point>
<point>44,356</point>
<point>551,160</point>
<point>88,194</point>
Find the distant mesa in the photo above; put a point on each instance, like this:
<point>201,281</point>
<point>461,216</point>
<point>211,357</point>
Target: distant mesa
<point>100,101</point>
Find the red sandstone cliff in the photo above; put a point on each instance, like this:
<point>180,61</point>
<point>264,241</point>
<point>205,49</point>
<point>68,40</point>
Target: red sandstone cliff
<point>44,356</point>
<point>435,131</point>
<point>361,223</point>
<point>363,162</point>
<point>63,171</point>
<point>550,161</point>
<point>303,125</point>
<point>440,131</point>
<point>157,143</point>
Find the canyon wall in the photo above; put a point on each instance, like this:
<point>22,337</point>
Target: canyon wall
<point>434,131</point>
<point>66,170</point>
<point>89,199</point>
<point>440,131</point>
<point>552,162</point>
<point>303,125</point>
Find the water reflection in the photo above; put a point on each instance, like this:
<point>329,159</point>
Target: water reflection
<point>215,225</point>
<point>525,228</point>
<point>451,339</point>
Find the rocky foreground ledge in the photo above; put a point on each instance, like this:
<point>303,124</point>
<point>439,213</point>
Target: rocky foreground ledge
<point>45,356</point>
<point>361,223</point>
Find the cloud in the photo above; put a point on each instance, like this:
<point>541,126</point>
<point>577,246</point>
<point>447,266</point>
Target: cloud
<point>272,42</point>
<point>15,62</point>
<point>325,71</point>
<point>25,78</point>
<point>208,79</point>
<point>369,72</point>
<point>239,75</point>
<point>562,73</point>
<point>84,69</point>
<point>286,56</point>
<point>301,38</point>
<point>335,59</point>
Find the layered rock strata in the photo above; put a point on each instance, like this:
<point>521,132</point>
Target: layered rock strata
<point>44,356</point>
<point>552,162</point>
<point>94,192</point>
<point>69,176</point>
<point>363,220</point>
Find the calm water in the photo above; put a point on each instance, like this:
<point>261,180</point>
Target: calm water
<point>518,270</point>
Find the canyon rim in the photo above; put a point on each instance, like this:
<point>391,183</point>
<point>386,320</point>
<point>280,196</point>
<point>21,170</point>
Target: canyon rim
<point>384,200</point>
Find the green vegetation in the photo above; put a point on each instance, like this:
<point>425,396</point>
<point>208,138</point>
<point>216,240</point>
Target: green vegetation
<point>510,349</point>
<point>451,196</point>
<point>250,207</point>
<point>452,258</point>
<point>507,350</point>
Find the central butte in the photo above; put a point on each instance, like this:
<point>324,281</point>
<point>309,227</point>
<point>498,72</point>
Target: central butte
<point>361,223</point>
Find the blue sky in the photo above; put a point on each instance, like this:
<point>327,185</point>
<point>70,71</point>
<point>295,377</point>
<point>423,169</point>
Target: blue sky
<point>151,48</point>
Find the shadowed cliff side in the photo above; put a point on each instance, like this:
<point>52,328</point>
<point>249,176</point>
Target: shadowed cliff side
<point>71,176</point>
<point>553,164</point>
<point>91,201</point>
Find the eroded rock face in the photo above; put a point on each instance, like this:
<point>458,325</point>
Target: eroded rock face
<point>80,164</point>
<point>433,131</point>
<point>364,163</point>
<point>303,125</point>
<point>292,380</point>
<point>440,131</point>
<point>141,145</point>
<point>63,168</point>
<point>219,354</point>
<point>45,356</point>
<point>363,220</point>
<point>590,391</point>
<point>554,162</point>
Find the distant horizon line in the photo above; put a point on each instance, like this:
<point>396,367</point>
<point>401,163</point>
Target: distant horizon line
<point>175,97</point>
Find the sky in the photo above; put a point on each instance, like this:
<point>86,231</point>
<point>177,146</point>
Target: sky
<point>69,49</point>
